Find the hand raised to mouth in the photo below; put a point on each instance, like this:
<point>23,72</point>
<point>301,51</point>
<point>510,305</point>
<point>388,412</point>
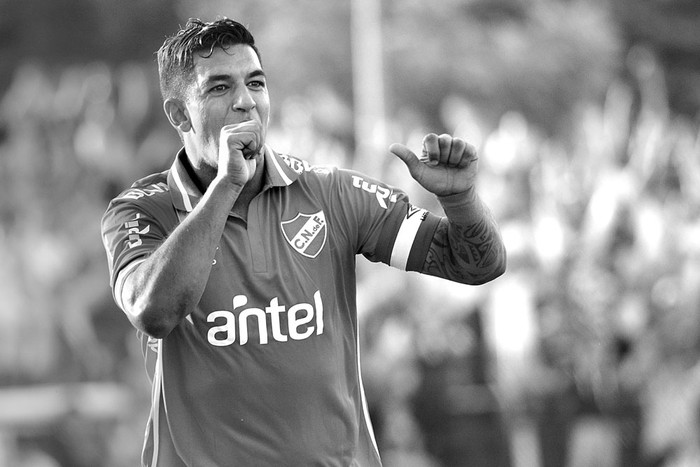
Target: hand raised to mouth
<point>240,144</point>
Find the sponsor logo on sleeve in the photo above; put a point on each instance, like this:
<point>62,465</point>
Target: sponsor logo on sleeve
<point>134,231</point>
<point>297,165</point>
<point>412,211</point>
<point>384,194</point>
<point>137,193</point>
<point>306,233</point>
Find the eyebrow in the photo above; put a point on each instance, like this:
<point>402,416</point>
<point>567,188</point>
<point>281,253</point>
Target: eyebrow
<point>228,77</point>
<point>256,74</point>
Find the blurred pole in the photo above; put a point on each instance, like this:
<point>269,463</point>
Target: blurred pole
<point>368,86</point>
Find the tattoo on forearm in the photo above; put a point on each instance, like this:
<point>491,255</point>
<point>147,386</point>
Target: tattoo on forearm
<point>466,254</point>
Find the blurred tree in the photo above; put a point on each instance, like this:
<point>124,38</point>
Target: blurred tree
<point>64,32</point>
<point>539,58</point>
<point>670,28</point>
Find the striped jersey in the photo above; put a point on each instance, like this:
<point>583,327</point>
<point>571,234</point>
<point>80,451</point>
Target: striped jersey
<point>266,370</point>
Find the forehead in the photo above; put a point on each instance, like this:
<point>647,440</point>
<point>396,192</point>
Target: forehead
<point>239,59</point>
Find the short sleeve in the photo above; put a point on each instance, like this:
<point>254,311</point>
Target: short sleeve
<point>387,227</point>
<point>132,231</point>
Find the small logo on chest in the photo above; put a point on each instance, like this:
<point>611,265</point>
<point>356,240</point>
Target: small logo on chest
<point>306,233</point>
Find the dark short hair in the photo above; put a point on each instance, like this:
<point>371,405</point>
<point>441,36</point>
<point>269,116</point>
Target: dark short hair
<point>176,55</point>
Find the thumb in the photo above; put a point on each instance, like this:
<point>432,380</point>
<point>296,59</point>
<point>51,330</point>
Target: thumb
<point>406,155</point>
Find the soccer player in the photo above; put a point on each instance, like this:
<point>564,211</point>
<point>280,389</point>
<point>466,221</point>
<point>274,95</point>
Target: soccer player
<point>237,267</point>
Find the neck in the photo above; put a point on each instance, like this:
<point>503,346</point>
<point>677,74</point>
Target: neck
<point>204,175</point>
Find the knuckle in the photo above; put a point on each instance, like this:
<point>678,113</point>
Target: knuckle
<point>445,138</point>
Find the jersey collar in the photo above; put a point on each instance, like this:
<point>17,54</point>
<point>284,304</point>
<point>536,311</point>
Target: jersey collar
<point>185,194</point>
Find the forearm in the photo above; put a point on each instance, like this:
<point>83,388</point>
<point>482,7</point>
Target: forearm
<point>167,286</point>
<point>467,245</point>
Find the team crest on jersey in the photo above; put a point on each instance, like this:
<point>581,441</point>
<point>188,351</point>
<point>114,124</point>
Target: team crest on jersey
<point>306,233</point>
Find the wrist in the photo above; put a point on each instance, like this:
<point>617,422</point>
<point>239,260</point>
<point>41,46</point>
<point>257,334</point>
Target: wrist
<point>228,182</point>
<point>225,188</point>
<point>461,207</point>
<point>458,200</point>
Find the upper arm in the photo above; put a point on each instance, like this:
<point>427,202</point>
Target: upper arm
<point>130,233</point>
<point>381,222</point>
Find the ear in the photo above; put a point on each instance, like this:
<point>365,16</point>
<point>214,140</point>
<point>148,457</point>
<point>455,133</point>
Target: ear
<point>177,114</point>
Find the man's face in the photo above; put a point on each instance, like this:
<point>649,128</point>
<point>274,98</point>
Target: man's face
<point>229,87</point>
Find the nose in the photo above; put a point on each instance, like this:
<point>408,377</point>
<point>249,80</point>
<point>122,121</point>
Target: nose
<point>243,101</point>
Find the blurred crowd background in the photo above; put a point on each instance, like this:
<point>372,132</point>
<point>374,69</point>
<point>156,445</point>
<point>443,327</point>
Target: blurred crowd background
<point>585,113</point>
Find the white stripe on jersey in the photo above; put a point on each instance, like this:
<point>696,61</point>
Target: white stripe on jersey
<point>405,238</point>
<point>365,409</point>
<point>284,176</point>
<point>156,391</point>
<point>182,190</point>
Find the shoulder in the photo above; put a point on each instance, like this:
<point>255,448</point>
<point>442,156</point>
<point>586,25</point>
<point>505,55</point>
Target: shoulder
<point>147,187</point>
<point>348,184</point>
<point>148,195</point>
<point>309,172</point>
<point>304,168</point>
<point>145,193</point>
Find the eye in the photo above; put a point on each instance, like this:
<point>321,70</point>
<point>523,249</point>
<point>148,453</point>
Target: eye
<point>257,84</point>
<point>218,89</point>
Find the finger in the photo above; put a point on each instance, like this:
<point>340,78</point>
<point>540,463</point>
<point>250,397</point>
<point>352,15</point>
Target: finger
<point>426,159</point>
<point>256,128</point>
<point>405,154</point>
<point>240,138</point>
<point>242,127</point>
<point>245,142</point>
<point>456,152</point>
<point>469,156</point>
<point>250,149</point>
<point>247,126</point>
<point>431,149</point>
<point>444,143</point>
